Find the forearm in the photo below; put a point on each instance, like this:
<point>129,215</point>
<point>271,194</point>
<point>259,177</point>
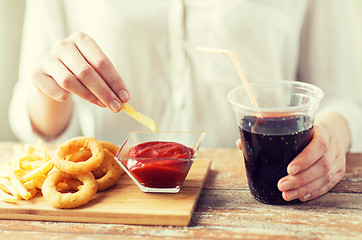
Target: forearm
<point>49,118</point>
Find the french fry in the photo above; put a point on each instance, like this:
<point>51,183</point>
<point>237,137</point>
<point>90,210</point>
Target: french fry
<point>146,121</point>
<point>30,185</point>
<point>7,197</point>
<point>6,186</point>
<point>29,164</point>
<point>35,183</point>
<point>38,172</point>
<point>33,192</point>
<point>44,154</point>
<point>24,193</point>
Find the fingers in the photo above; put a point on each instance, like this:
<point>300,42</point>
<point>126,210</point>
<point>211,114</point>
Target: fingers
<point>77,65</point>
<point>101,63</point>
<point>314,150</point>
<point>49,87</point>
<point>65,80</point>
<point>320,172</point>
<point>86,74</point>
<point>312,189</point>
<point>322,190</point>
<point>303,192</point>
<point>321,168</point>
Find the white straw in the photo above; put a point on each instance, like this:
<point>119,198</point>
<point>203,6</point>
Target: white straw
<point>238,69</point>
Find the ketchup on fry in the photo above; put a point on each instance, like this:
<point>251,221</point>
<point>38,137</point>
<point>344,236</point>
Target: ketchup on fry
<point>160,164</point>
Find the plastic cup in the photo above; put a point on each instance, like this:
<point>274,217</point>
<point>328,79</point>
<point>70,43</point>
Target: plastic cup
<point>275,133</point>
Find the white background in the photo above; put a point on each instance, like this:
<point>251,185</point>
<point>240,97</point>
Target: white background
<point>11,22</point>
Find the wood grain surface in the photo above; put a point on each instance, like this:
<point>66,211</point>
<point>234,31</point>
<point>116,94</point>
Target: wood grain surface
<point>226,210</point>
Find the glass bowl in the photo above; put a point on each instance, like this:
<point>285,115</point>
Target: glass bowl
<point>158,174</point>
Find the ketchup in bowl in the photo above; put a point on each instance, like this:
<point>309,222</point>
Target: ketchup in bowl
<point>159,164</point>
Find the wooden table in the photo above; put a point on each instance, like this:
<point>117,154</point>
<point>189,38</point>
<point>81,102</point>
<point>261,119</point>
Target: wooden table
<point>226,210</point>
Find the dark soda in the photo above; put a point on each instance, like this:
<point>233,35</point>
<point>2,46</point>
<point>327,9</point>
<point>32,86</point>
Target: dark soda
<point>269,144</point>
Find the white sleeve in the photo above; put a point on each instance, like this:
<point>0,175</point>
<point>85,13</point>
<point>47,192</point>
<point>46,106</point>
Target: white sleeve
<point>329,60</point>
<point>44,24</point>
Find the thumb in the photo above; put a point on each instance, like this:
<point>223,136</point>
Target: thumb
<point>238,144</point>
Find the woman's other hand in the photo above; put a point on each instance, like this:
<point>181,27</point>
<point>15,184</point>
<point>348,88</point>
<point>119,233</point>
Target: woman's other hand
<point>321,165</point>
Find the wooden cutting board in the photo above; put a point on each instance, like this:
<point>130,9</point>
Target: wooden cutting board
<point>125,203</point>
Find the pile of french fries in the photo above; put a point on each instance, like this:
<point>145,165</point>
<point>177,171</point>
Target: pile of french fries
<point>22,176</point>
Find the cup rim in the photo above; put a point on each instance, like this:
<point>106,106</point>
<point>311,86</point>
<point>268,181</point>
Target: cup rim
<point>318,93</point>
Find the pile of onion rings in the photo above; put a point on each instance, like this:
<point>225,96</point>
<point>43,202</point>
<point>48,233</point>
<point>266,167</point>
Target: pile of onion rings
<point>82,166</point>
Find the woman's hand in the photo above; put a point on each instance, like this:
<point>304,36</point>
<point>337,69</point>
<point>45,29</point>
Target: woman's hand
<point>321,165</point>
<point>77,65</point>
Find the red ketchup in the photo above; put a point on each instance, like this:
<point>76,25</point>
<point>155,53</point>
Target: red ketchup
<point>157,166</point>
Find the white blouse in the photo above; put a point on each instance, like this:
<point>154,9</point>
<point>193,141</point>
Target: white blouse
<point>152,45</point>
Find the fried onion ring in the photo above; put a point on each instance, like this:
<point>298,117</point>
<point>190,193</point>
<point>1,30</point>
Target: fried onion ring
<point>79,156</point>
<point>69,200</point>
<point>64,161</point>
<point>108,173</point>
<point>110,147</point>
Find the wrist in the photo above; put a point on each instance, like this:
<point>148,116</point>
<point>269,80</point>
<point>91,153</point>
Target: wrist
<point>49,118</point>
<point>337,127</point>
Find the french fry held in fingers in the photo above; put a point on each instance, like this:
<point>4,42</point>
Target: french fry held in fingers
<point>148,122</point>
<point>23,176</point>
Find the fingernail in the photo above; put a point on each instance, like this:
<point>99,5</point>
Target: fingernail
<point>284,186</point>
<point>115,106</point>
<point>293,170</point>
<point>123,95</point>
<point>307,197</point>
